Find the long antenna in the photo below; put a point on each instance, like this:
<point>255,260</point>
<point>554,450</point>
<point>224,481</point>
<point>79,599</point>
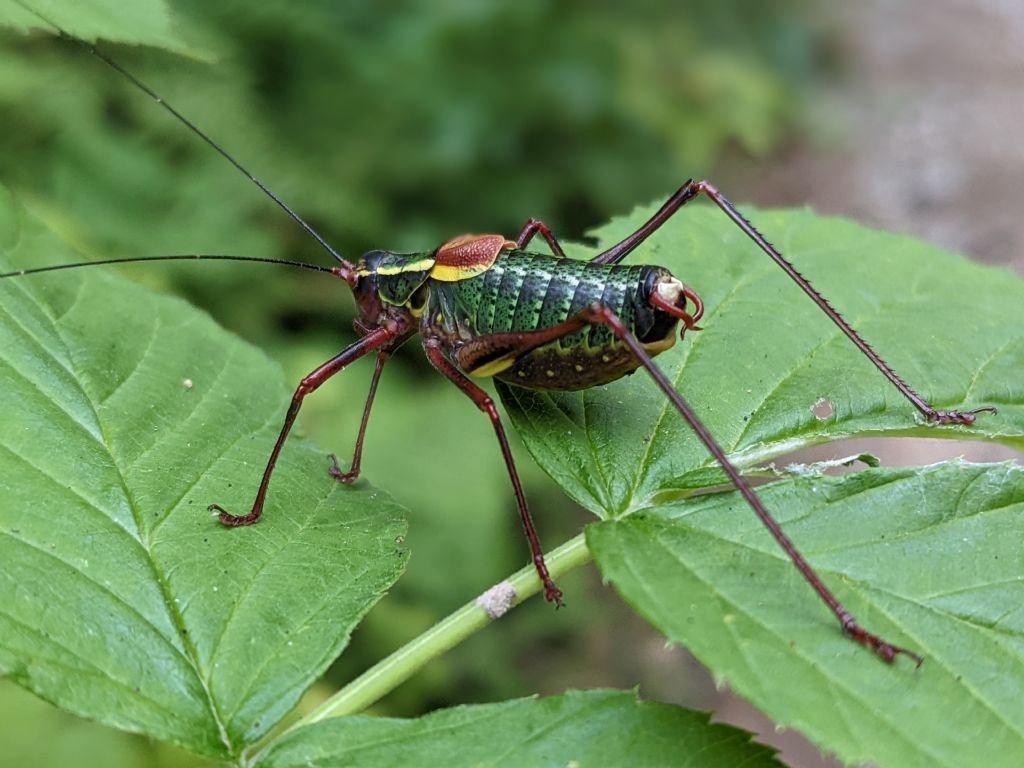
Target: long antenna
<point>182,257</point>
<point>190,125</point>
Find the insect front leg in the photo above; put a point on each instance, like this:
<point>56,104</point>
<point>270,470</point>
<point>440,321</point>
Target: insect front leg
<point>357,457</point>
<point>531,228</point>
<point>693,189</point>
<point>310,383</point>
<point>432,347</point>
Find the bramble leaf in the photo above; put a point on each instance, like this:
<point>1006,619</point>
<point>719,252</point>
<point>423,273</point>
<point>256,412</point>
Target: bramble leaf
<point>140,22</point>
<point>928,558</point>
<point>124,414</point>
<point>577,728</point>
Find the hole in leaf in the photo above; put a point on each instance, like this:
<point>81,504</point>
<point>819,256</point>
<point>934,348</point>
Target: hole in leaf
<point>823,409</point>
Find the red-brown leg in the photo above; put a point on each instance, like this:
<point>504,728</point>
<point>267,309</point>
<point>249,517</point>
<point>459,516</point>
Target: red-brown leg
<point>357,457</point>
<point>885,650</point>
<point>531,228</point>
<point>309,384</point>
<point>484,402</point>
<point>518,344</point>
<point>692,189</point>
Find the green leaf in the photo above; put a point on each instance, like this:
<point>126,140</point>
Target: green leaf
<point>928,558</point>
<point>768,355</point>
<point>581,728</point>
<point>141,22</point>
<point>124,414</point>
<point>34,733</point>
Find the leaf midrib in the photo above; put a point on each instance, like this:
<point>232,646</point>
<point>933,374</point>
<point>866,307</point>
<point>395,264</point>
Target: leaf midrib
<point>170,606</point>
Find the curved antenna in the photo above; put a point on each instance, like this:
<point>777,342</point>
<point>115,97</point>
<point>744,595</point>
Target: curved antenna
<point>191,126</point>
<point>337,271</point>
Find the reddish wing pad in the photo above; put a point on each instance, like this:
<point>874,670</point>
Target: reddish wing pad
<point>466,256</point>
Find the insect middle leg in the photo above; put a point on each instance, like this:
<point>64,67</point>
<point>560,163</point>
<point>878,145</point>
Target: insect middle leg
<point>483,401</point>
<point>693,189</point>
<point>512,345</point>
<point>357,456</point>
<point>312,382</point>
<point>531,228</point>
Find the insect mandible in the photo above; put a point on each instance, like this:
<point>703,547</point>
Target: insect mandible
<point>486,306</point>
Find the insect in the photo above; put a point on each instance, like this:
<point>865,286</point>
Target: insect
<point>484,305</point>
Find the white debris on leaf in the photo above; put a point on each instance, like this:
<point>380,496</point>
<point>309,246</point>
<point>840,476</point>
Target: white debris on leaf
<point>818,468</point>
<point>497,600</point>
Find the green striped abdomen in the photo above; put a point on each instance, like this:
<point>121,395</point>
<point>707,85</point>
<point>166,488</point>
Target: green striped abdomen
<point>525,292</point>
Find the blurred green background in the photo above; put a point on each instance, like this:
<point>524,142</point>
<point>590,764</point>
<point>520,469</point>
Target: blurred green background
<point>398,125</point>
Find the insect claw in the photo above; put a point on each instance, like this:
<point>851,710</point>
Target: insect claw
<point>984,409</point>
<point>342,477</point>
<point>887,652</point>
<point>959,417</point>
<point>554,595</point>
<point>233,521</point>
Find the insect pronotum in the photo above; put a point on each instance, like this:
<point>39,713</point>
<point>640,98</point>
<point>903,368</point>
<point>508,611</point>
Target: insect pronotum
<point>485,306</point>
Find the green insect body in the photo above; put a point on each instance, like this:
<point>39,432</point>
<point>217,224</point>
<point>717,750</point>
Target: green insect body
<point>523,292</point>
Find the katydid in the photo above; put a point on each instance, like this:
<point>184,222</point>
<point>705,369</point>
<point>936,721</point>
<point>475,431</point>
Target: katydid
<point>484,305</point>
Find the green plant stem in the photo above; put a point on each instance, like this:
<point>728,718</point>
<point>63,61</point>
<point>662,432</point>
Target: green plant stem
<point>390,672</point>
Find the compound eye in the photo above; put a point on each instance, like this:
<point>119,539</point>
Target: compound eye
<point>370,261</point>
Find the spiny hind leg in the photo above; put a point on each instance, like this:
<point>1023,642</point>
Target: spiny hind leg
<point>599,314</point>
<point>693,189</point>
